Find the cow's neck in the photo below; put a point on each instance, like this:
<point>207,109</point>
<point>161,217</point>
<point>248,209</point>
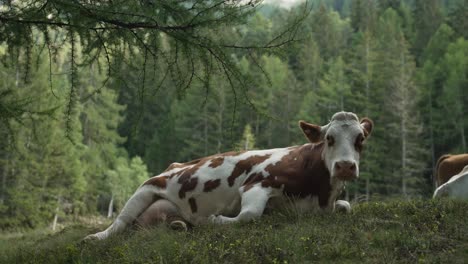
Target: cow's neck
<point>313,178</point>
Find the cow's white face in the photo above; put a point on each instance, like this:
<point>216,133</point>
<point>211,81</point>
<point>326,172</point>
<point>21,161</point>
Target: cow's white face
<point>343,139</point>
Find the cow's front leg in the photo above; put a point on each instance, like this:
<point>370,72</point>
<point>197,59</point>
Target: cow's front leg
<point>137,204</point>
<point>253,202</point>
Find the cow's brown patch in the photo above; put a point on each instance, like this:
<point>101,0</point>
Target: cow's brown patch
<point>187,186</point>
<point>185,179</point>
<point>273,181</point>
<point>193,204</point>
<point>159,181</point>
<point>253,179</point>
<point>186,173</point>
<point>211,185</point>
<point>245,166</point>
<point>181,165</point>
<point>449,165</point>
<point>302,173</point>
<point>216,162</point>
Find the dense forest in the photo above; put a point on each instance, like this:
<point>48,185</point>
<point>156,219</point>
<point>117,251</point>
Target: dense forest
<point>84,150</point>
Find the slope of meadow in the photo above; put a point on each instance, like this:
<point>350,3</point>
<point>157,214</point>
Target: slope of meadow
<point>424,231</point>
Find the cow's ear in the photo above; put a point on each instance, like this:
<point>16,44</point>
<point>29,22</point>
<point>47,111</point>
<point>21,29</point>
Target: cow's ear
<point>367,126</point>
<point>312,132</point>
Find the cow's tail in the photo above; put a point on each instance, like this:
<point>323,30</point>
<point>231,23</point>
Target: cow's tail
<point>436,169</point>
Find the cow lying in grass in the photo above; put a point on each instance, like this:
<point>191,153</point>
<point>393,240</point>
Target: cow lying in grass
<point>236,186</point>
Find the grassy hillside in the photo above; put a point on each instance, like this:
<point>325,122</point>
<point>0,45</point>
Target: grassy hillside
<point>392,232</point>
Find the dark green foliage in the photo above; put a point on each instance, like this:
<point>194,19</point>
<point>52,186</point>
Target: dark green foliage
<point>394,231</point>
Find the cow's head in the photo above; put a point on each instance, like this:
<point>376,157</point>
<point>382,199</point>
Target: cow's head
<point>343,140</point>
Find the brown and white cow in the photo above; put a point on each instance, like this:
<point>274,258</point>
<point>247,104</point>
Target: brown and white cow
<point>447,166</point>
<point>456,187</point>
<point>236,186</point>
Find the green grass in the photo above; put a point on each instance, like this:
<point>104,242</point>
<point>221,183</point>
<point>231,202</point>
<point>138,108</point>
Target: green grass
<point>423,231</point>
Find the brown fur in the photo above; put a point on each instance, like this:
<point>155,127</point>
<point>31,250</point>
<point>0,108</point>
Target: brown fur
<point>244,166</point>
<point>187,186</point>
<point>216,162</point>
<point>312,132</point>
<point>157,181</point>
<point>181,165</point>
<point>211,185</point>
<point>449,165</point>
<point>252,180</point>
<point>302,173</point>
<point>189,183</point>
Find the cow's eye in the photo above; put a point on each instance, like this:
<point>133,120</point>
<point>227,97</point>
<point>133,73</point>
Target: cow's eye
<point>359,141</point>
<point>330,140</point>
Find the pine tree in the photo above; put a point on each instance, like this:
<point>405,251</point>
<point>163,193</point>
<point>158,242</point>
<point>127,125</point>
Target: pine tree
<point>430,77</point>
<point>427,19</point>
<point>453,98</point>
<point>247,142</point>
<point>44,171</point>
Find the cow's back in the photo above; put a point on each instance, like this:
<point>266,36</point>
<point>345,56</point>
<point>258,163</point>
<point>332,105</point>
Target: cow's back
<point>448,166</point>
<point>456,187</point>
<point>211,185</point>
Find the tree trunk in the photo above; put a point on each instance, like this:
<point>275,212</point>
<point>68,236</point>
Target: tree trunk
<point>220,121</point>
<point>431,135</point>
<point>403,157</point>
<point>4,180</point>
<point>463,139</point>
<point>110,209</point>
<point>288,109</point>
<point>205,129</point>
<point>367,189</point>
<point>367,105</point>
<point>270,133</point>
<point>54,223</point>
<point>257,124</point>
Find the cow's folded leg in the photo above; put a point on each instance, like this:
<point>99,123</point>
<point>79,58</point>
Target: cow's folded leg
<point>138,203</point>
<point>253,203</point>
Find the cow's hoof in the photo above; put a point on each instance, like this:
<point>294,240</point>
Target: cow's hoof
<point>219,219</point>
<point>97,236</point>
<point>342,206</point>
<point>178,225</point>
<point>213,219</point>
<point>90,238</point>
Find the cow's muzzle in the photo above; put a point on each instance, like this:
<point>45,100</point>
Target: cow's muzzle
<point>346,170</point>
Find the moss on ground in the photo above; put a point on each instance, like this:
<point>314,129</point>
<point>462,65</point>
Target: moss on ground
<point>423,231</point>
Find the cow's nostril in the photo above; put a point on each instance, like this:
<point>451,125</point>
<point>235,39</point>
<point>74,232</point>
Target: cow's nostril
<point>345,165</point>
